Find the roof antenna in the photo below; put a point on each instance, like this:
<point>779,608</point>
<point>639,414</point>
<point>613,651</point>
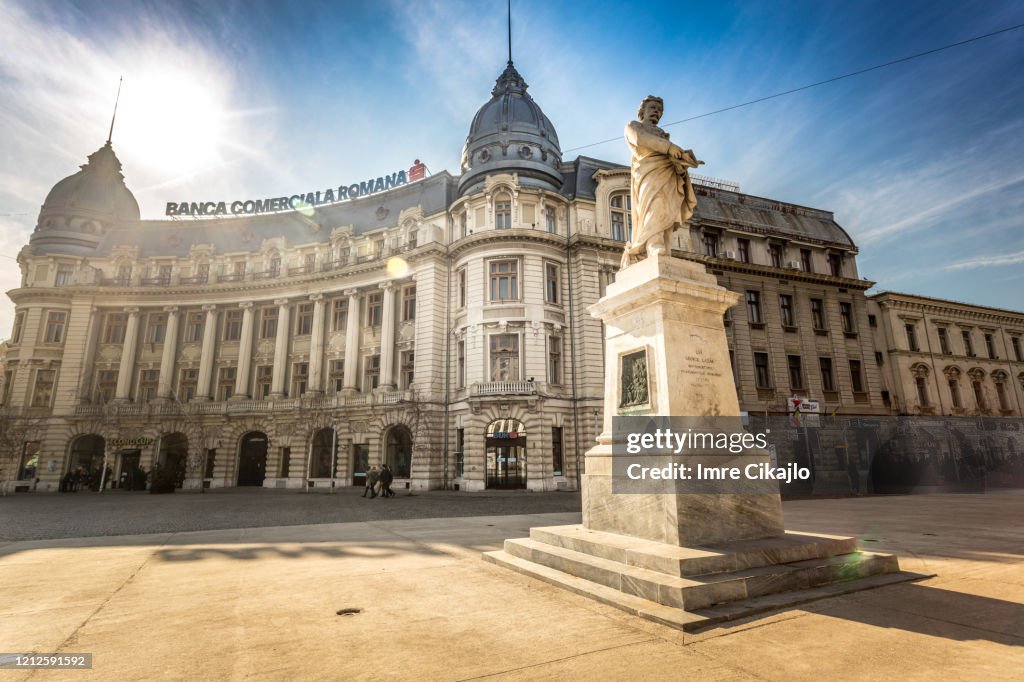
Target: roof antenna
<point>510,32</point>
<point>111,133</point>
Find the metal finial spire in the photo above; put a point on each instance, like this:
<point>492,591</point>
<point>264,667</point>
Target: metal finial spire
<point>509,31</point>
<point>116,100</point>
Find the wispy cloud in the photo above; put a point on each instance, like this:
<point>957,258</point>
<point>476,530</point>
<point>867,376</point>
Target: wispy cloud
<point>988,261</point>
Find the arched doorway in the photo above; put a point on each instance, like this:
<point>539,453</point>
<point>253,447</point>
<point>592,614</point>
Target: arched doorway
<point>506,454</point>
<point>174,455</point>
<point>322,454</point>
<point>252,459</point>
<point>398,451</point>
<point>85,464</point>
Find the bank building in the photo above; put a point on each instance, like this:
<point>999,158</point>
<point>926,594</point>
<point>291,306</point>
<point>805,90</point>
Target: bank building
<point>436,323</point>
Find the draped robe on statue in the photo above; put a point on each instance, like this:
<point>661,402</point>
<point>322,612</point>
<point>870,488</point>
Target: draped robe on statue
<point>663,197</point>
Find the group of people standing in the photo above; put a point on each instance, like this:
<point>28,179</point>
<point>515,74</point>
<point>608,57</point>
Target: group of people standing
<point>378,481</point>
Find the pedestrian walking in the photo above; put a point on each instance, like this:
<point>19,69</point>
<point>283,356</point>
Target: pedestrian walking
<point>385,481</point>
<point>372,476</point>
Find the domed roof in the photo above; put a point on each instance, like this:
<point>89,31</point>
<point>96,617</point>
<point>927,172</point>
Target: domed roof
<point>82,206</point>
<point>510,133</point>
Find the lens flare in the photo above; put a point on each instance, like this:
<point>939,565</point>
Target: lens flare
<point>397,267</point>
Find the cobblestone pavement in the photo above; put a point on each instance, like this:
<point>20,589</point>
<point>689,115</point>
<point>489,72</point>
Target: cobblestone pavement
<point>47,516</point>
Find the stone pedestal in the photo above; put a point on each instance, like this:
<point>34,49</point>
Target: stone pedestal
<point>683,556</point>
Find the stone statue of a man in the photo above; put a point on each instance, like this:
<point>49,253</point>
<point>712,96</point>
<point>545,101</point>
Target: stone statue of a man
<point>663,198</point>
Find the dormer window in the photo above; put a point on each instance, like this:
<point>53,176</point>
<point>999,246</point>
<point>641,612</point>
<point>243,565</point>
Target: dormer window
<point>503,212</point>
<point>622,218</point>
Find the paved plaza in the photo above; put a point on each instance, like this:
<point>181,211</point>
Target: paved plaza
<point>262,602</point>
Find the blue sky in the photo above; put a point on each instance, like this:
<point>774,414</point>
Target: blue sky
<point>923,162</point>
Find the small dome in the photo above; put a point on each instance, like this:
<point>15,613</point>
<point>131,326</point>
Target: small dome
<point>82,207</point>
<point>511,134</point>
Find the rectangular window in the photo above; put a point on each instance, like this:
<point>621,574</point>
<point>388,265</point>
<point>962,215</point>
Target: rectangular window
<point>872,321</point>
<point>42,391</point>
<point>754,307</point>
<point>911,336</point>
<point>968,344</point>
<point>550,221</point>
<point>846,315</point>
<point>796,372</point>
<point>407,368</point>
<point>232,325</point>
<point>264,381</point>
<point>990,346</point>
<point>275,267</point>
<point>710,244</point>
<point>187,384</point>
<point>762,375</point>
<point>239,269</point>
<point>551,283</point>
<point>336,375</point>
<point>504,357</point>
<point>374,309</point>
<point>1015,342</point>
<point>786,310</point>
<point>304,320</point>
<point>106,385</point>
<point>1004,403</point>
<point>226,383</point>
<point>503,215</point>
<point>409,303</point>
<point>124,275</point>
<point>148,380</point>
<point>979,393</point>
<point>805,260</point>
<point>113,330</point>
<point>55,322</point>
<point>339,314</point>
<point>775,251</point>
<point>194,327</point>
<point>743,250</point>
<point>300,378</point>
<point>156,327</point>
<point>954,393</point>
<point>29,465</point>
<point>65,275</point>
<point>732,366</point>
<point>371,378</point>
<point>556,451</point>
<point>19,323</point>
<point>943,340</point>
<point>835,264</point>
<point>879,358</point>
<point>504,280</point>
<point>856,376</point>
<point>828,382</point>
<point>622,217</point>
<point>268,322</point>
<point>8,383</point>
<point>462,287</point>
<point>817,313</point>
<point>460,365</point>
<point>922,391</point>
<point>555,360</point>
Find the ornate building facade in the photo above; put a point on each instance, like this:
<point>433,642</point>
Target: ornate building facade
<point>440,326</point>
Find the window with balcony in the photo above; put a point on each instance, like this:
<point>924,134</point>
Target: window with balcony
<point>194,325</point>
<point>504,349</point>
<point>504,280</point>
<point>786,310</point>
<point>621,217</point>
<point>304,320</point>
<point>148,380</point>
<point>232,325</point>
<point>226,383</point>
<point>264,381</point>
<point>106,386</point>
<point>503,212</point>
<point>828,382</point>
<point>65,275</point>
<point>187,383</point>
<point>300,378</point>
<point>555,360</point>
<point>55,323</point>
<point>42,389</point>
<point>374,309</point>
<point>114,327</point>
<point>339,314</point>
<point>336,375</point>
<point>762,373</point>
<point>156,327</point>
<point>371,373</point>
<point>552,284</point>
<point>407,368</point>
<point>818,314</point>
<point>796,372</point>
<point>409,303</point>
<point>268,322</point>
<point>754,307</point>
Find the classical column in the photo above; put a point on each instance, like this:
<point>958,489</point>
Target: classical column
<point>165,384</point>
<point>316,347</point>
<point>244,353</point>
<point>204,390</point>
<point>127,368</point>
<point>280,349</point>
<point>351,381</point>
<point>387,337</point>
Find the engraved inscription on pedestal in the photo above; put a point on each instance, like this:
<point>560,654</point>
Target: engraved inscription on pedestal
<point>635,391</point>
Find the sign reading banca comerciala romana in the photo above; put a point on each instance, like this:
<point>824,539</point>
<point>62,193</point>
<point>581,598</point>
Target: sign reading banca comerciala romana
<point>294,202</point>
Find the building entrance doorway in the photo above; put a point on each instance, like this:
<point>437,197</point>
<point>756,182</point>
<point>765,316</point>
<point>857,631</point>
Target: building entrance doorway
<point>360,463</point>
<point>252,459</point>
<point>85,465</point>
<point>506,454</point>
<point>174,455</point>
<point>130,474</point>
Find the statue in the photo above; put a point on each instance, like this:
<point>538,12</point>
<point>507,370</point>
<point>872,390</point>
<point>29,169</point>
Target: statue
<point>663,198</point>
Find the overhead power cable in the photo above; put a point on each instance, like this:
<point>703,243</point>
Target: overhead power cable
<point>814,85</point>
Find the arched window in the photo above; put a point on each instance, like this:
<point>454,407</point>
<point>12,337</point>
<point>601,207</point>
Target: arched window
<point>920,373</point>
<point>502,212</point>
<point>977,377</point>
<point>398,454</point>
<point>322,458</point>
<point>622,217</point>
<point>953,381</point>
<point>999,378</point>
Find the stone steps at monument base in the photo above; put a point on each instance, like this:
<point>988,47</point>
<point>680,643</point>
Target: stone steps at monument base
<point>699,592</point>
<point>690,621</point>
<point>686,562</point>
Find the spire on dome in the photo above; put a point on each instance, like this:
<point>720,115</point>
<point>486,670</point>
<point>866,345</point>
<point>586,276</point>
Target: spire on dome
<point>509,82</point>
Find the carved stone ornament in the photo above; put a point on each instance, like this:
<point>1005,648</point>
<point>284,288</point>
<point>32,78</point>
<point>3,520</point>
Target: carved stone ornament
<point>633,384</point>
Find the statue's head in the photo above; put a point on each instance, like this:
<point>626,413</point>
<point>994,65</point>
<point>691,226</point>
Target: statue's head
<point>651,109</point>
